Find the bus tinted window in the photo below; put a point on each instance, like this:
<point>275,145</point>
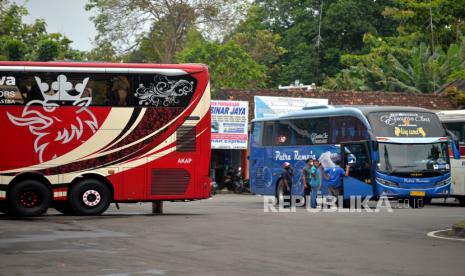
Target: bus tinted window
<point>284,133</point>
<point>257,133</point>
<point>102,89</point>
<point>268,134</point>
<point>344,129</point>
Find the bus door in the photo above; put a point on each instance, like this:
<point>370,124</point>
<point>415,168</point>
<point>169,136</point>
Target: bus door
<point>359,181</point>
<point>261,169</point>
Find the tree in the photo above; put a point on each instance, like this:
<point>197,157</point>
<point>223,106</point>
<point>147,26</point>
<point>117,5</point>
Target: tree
<point>316,33</point>
<point>229,65</point>
<point>48,50</point>
<point>15,49</point>
<point>393,69</point>
<point>161,26</point>
<point>433,22</point>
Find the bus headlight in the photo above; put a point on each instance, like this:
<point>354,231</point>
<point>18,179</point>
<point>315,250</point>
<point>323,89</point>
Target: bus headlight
<point>387,182</point>
<point>442,182</point>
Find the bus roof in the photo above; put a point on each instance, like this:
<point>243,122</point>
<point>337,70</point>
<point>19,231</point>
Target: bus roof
<point>98,66</point>
<point>361,112</point>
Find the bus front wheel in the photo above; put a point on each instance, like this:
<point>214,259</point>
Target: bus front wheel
<point>89,197</point>
<point>29,198</point>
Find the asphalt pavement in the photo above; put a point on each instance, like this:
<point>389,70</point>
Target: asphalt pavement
<point>232,235</point>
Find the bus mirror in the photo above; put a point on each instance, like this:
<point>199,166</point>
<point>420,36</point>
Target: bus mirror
<point>351,159</point>
<point>455,149</point>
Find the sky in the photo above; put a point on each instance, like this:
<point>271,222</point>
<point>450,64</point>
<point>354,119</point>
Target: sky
<point>64,16</point>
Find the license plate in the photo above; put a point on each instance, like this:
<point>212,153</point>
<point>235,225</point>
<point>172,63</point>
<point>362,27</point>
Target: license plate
<point>417,193</point>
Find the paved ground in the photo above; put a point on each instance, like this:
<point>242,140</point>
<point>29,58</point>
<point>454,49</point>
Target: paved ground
<point>231,235</point>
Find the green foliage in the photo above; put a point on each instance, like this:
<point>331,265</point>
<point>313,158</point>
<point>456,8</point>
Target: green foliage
<point>229,65</point>
<point>15,49</point>
<point>312,53</point>
<point>389,69</point>
<point>48,50</point>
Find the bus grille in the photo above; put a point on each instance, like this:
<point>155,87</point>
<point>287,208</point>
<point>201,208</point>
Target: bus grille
<point>169,181</point>
<point>185,139</point>
<point>259,179</point>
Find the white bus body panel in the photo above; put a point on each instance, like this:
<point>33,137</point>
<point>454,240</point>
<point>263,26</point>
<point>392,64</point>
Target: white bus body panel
<point>458,177</point>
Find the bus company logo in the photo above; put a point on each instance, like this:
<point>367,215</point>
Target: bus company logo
<point>404,119</point>
<point>319,138</point>
<point>7,80</point>
<point>163,92</point>
<point>48,124</point>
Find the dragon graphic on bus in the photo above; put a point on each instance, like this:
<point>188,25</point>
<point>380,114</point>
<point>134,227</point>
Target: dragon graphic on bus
<point>45,120</point>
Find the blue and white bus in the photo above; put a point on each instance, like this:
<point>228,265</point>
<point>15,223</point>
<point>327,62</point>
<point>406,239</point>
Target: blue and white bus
<point>397,152</point>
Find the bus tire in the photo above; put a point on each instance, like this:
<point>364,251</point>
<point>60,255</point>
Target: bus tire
<point>89,197</point>
<point>416,202</point>
<point>29,198</point>
<point>64,207</point>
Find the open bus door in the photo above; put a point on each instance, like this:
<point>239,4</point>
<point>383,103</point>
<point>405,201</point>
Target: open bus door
<point>359,182</point>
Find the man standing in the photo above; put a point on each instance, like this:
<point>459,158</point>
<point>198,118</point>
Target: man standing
<point>314,182</point>
<point>286,177</point>
<point>334,177</point>
<point>306,178</point>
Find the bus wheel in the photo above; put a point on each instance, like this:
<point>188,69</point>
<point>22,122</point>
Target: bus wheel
<point>416,202</point>
<point>64,207</point>
<point>29,198</point>
<point>89,197</point>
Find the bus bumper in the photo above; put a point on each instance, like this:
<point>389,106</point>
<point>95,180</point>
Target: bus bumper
<point>395,192</point>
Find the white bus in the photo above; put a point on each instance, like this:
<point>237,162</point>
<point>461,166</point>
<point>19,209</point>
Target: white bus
<point>454,121</point>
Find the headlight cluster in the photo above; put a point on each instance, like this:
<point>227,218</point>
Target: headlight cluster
<point>387,182</point>
<point>442,182</point>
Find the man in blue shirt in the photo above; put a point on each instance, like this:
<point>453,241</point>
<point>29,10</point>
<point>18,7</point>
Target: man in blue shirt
<point>334,177</point>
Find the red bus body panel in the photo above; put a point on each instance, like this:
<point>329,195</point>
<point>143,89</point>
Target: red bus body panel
<point>138,149</point>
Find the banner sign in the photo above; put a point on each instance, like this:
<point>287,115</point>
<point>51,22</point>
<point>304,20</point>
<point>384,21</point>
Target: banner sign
<point>272,106</point>
<point>406,124</point>
<point>229,124</point>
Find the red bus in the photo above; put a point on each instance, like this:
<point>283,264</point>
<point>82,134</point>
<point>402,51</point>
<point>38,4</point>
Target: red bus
<point>78,136</point>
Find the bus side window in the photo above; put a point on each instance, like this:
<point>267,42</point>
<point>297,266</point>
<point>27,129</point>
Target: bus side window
<point>284,134</point>
<point>257,133</point>
<point>268,134</point>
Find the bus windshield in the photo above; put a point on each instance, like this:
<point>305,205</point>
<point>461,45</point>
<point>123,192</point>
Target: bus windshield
<point>409,158</point>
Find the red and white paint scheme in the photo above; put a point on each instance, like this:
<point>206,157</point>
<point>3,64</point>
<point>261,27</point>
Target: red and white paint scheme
<point>77,136</point>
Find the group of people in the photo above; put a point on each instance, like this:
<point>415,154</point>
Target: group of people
<point>313,176</point>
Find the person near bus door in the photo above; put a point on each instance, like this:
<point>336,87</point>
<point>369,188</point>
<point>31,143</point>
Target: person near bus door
<point>286,177</point>
<point>334,176</point>
<point>306,176</point>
